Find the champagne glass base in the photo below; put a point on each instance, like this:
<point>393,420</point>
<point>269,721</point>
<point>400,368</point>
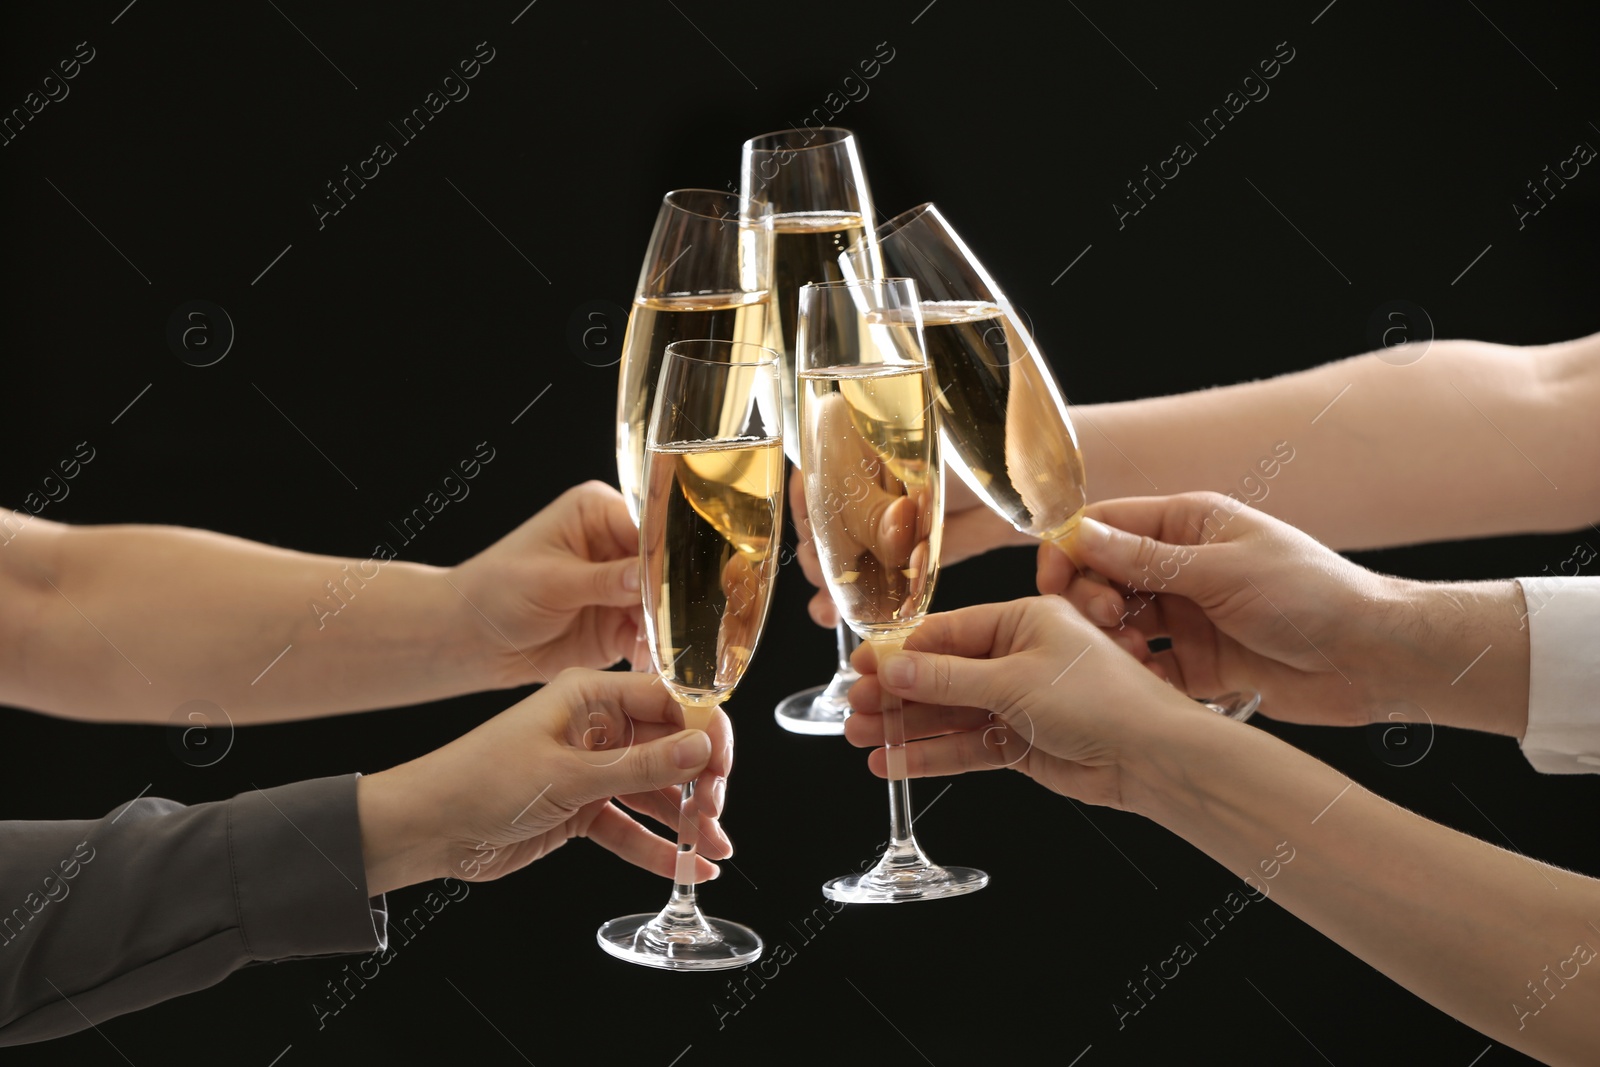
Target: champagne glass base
<point>1236,706</point>
<point>717,945</point>
<point>903,885</point>
<point>819,711</point>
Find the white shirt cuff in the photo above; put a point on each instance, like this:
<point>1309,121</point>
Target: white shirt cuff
<point>1563,619</point>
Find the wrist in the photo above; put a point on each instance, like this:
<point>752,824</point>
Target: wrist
<point>1459,651</point>
<point>1164,751</point>
<point>459,638</point>
<point>1167,755</point>
<point>399,844</point>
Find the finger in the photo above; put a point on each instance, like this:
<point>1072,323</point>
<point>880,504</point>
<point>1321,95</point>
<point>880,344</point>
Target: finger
<point>1094,599</point>
<point>1055,569</point>
<point>964,632</point>
<point>1131,642</point>
<point>950,754</point>
<point>810,563</point>
<point>650,765</point>
<point>822,609</point>
<point>855,509</point>
<point>934,678</point>
<point>616,832</point>
<point>610,529</point>
<point>664,806</point>
<point>1138,560</point>
<point>712,783</point>
<point>623,707</point>
<point>797,503</point>
<point>865,729</point>
<point>1183,519</point>
<point>610,712</point>
<point>805,549</point>
<point>722,737</point>
<point>639,657</point>
<point>1144,615</point>
<point>622,635</point>
<point>577,583</point>
<point>615,584</point>
<point>618,695</point>
<point>608,735</point>
<point>897,532</point>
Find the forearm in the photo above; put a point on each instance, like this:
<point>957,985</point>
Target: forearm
<point>129,622</point>
<point>1462,924</point>
<point>156,900</point>
<point>1382,454</point>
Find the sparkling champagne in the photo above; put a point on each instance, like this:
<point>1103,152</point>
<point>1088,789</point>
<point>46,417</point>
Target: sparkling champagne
<point>874,491</point>
<point>805,248</point>
<point>654,323</point>
<point>710,533</point>
<point>1004,421</point>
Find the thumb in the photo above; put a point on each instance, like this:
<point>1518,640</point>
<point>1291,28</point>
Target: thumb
<point>933,678</point>
<point>652,765</point>
<point>1136,560</point>
<point>614,584</point>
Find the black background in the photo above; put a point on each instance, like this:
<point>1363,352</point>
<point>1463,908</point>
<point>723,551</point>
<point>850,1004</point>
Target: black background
<point>408,329</point>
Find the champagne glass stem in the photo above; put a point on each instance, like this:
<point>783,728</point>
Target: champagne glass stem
<point>902,844</point>
<point>894,731</point>
<point>683,897</point>
<point>682,913</point>
<point>847,642</point>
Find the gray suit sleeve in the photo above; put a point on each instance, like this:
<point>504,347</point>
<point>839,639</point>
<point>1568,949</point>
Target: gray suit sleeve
<point>102,917</point>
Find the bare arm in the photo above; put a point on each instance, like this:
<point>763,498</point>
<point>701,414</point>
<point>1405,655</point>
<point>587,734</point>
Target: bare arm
<point>127,623</point>
<point>1498,940</point>
<point>1493,938</point>
<point>1473,439</point>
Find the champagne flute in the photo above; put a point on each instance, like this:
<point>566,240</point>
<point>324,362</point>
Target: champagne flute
<point>705,275</point>
<point>810,190</point>
<point>869,447</point>
<point>710,530</point>
<point>1005,423</point>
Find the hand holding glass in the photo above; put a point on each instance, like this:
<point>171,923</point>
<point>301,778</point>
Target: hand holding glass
<point>709,534</point>
<point>1006,428</point>
<point>875,495</point>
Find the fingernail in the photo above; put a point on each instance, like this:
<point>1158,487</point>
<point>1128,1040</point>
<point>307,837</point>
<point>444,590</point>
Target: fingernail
<point>630,579</point>
<point>715,874</point>
<point>719,792</point>
<point>693,750</point>
<point>1103,613</point>
<point>897,671</point>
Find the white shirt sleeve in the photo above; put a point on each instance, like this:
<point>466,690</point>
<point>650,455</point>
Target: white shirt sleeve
<point>1563,618</point>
